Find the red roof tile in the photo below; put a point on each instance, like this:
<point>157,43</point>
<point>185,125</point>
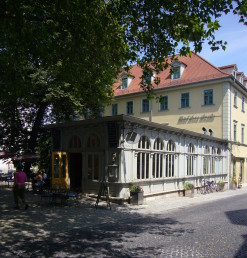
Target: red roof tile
<point>197,70</point>
<point>227,66</point>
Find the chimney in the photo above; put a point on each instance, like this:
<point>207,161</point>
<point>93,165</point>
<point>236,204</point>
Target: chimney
<point>211,132</point>
<point>204,130</point>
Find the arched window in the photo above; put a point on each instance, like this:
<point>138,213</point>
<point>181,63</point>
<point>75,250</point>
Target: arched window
<point>93,158</point>
<point>218,165</point>
<point>158,158</point>
<point>144,143</point>
<point>74,142</point>
<point>143,158</point>
<point>170,159</point>
<point>206,160</point>
<point>190,160</point>
<point>93,141</point>
<point>213,160</point>
<point>218,151</point>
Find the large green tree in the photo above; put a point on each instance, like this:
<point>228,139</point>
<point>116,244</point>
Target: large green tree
<point>60,58</point>
<point>56,58</point>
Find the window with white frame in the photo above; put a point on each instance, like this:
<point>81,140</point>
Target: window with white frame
<point>124,82</point>
<point>243,102</point>
<point>147,80</point>
<point>206,160</point>
<point>158,158</point>
<point>129,108</point>
<point>242,133</point>
<point>218,169</point>
<point>185,100</point>
<point>176,72</point>
<point>190,160</point>
<point>241,80</point>
<point>235,98</point>
<point>235,131</point>
<point>213,160</point>
<point>148,76</point>
<point>145,105</point>
<point>114,109</point>
<point>170,159</point>
<point>164,103</point>
<point>143,158</point>
<point>218,151</point>
<point>208,97</point>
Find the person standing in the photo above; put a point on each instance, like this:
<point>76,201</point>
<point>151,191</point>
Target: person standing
<point>20,178</point>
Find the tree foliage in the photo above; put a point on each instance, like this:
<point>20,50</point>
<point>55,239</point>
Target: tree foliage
<point>155,30</point>
<point>58,58</point>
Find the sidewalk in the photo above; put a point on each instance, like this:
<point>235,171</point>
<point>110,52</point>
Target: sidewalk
<point>25,232</point>
<point>82,213</point>
<point>164,204</point>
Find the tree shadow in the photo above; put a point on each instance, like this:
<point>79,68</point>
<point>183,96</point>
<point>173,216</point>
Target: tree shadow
<point>80,230</point>
<point>239,217</point>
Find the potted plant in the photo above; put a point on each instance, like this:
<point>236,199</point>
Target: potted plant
<point>136,194</point>
<point>189,189</point>
<point>220,186</point>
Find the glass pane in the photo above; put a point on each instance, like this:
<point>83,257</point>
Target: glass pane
<point>147,165</point>
<point>56,166</point>
<point>138,165</point>
<point>96,167</point>
<point>89,164</point>
<point>63,166</point>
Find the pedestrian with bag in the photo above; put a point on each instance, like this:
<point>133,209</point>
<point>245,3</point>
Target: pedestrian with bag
<point>20,178</point>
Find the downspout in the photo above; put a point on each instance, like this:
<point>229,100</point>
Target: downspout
<point>230,144</point>
<point>151,111</point>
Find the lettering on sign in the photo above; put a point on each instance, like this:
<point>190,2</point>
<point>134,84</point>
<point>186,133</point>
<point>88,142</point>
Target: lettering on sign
<point>195,118</point>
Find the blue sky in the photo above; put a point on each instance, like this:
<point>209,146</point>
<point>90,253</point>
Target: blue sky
<point>235,34</point>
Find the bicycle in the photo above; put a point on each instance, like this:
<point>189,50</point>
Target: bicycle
<point>213,186</point>
<point>205,188</point>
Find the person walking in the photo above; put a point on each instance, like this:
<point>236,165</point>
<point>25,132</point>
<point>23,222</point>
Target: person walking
<point>20,178</point>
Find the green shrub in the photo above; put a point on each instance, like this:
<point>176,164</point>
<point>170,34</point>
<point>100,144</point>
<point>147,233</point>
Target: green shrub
<point>188,186</point>
<point>134,188</point>
<point>221,183</point>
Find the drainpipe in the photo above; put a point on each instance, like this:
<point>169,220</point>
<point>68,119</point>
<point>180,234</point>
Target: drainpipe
<point>151,111</point>
<point>230,144</point>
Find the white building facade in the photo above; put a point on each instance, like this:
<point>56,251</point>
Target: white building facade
<point>129,150</point>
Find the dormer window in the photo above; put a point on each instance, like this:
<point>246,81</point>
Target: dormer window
<point>234,73</point>
<point>147,80</point>
<point>148,77</point>
<point>177,70</point>
<point>125,81</point>
<point>242,80</point>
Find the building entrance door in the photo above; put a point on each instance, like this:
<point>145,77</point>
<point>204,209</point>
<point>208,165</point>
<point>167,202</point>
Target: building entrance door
<point>60,175</point>
<point>75,171</point>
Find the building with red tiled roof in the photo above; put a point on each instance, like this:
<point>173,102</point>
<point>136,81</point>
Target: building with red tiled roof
<point>197,70</point>
<point>196,96</point>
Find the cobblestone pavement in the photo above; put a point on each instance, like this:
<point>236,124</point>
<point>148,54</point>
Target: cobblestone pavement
<point>212,225</point>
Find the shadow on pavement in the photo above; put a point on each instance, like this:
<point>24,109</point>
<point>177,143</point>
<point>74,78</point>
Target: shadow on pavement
<point>79,230</point>
<point>239,217</point>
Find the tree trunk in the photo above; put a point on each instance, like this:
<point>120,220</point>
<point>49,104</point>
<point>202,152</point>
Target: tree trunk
<point>32,143</point>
